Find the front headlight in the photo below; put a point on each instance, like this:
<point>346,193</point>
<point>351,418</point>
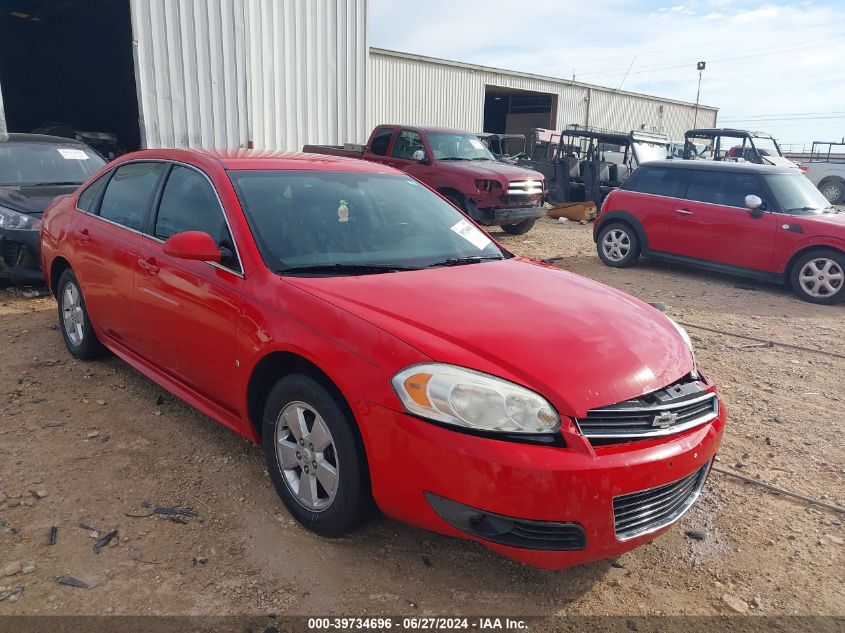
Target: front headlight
<point>685,335</point>
<point>467,398</point>
<point>10,219</point>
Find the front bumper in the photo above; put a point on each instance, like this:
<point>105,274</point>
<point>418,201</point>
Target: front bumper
<point>412,461</point>
<point>19,256</point>
<point>496,216</point>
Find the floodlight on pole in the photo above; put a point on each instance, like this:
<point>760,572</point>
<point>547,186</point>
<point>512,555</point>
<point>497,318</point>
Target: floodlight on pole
<point>700,67</point>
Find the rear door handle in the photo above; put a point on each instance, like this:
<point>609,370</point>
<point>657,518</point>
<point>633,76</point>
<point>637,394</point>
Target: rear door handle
<point>83,237</point>
<point>148,264</point>
<point>683,211</point>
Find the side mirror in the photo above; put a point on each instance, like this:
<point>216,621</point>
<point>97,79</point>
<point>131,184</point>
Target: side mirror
<point>755,205</point>
<point>192,245</point>
<point>420,156</point>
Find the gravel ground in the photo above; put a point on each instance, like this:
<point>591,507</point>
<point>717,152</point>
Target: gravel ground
<point>88,443</point>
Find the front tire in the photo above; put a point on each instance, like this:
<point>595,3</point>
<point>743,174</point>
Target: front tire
<point>519,228</point>
<point>819,277</point>
<point>618,245</point>
<point>833,189</point>
<point>315,456</point>
<point>74,322</point>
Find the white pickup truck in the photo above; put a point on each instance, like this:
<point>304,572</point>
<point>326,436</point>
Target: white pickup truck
<point>825,168</point>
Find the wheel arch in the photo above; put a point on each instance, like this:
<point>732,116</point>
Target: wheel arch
<point>625,218</point>
<point>57,267</point>
<point>823,246</point>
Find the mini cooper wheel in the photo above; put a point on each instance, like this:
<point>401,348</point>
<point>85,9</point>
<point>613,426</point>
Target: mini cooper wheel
<point>618,245</point>
<point>819,277</point>
<point>79,336</point>
<point>315,457</point>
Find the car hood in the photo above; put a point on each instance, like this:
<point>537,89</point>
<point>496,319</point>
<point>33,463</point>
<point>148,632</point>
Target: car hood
<point>827,219</point>
<point>32,200</point>
<point>577,342</point>
<point>493,169</point>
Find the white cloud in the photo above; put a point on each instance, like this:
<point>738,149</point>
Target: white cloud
<point>762,58</point>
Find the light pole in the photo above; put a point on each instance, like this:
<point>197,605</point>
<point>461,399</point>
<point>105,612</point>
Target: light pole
<point>700,67</point>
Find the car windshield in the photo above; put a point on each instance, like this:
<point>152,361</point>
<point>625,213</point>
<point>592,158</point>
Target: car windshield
<point>457,146</point>
<point>25,164</point>
<point>797,195</point>
<point>336,222</point>
<point>649,151</point>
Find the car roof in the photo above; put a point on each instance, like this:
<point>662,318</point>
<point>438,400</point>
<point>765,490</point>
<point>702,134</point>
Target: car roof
<point>17,137</point>
<point>259,159</point>
<point>718,165</point>
<point>425,128</point>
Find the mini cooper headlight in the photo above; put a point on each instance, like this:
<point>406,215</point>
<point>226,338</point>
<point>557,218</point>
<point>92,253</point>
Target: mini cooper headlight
<point>472,399</point>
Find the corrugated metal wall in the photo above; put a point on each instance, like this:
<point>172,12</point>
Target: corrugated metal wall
<point>221,73</point>
<point>424,91</point>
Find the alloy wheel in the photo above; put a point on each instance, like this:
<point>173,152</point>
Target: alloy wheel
<point>307,456</point>
<point>616,245</point>
<point>821,277</point>
<point>72,314</point>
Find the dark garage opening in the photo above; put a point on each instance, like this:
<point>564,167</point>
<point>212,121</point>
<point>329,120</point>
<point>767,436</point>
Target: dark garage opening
<point>510,111</point>
<point>67,65</point>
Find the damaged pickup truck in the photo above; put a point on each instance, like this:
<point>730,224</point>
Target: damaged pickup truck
<point>459,167</point>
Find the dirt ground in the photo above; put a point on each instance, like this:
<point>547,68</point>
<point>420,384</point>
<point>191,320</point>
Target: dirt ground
<point>93,441</point>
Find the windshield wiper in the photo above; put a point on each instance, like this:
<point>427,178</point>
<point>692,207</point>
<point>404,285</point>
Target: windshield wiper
<point>805,209</point>
<point>455,158</point>
<point>352,269</point>
<point>461,261</point>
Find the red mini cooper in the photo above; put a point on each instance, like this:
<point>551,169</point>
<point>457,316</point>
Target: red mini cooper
<point>386,352</point>
<point>765,222</point>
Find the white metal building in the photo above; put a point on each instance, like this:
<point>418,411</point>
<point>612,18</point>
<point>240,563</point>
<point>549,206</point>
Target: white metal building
<point>419,90</point>
<point>187,73</point>
<point>272,74</point>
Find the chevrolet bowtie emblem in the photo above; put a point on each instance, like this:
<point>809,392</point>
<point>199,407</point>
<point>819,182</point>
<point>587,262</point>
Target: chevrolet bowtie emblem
<point>664,420</point>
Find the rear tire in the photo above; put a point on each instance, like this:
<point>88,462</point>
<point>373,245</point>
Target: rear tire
<point>74,322</point>
<point>819,277</point>
<point>833,189</point>
<point>315,457</point>
<point>618,245</point>
<point>520,228</point>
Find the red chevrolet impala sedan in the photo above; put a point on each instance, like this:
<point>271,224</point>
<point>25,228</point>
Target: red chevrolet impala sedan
<point>386,352</point>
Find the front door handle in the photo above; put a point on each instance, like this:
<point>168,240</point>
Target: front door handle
<point>683,211</point>
<point>83,237</point>
<point>148,264</point>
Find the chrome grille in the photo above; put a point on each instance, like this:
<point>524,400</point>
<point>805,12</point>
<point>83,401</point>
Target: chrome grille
<point>639,513</point>
<point>676,408</point>
<point>525,187</point>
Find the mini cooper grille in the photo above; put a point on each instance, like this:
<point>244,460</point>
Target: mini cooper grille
<point>671,410</point>
<point>642,512</point>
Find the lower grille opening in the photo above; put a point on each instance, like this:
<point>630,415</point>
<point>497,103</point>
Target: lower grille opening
<point>645,511</point>
<point>11,253</point>
<point>542,535</point>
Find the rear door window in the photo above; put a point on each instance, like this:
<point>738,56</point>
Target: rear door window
<point>670,182</point>
<point>381,140</point>
<point>88,198</point>
<point>129,193</point>
<point>724,188</point>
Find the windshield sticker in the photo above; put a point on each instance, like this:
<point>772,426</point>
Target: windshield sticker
<point>343,211</point>
<point>72,154</point>
<point>476,143</point>
<point>471,234</point>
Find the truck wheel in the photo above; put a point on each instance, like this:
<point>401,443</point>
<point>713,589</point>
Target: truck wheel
<point>819,277</point>
<point>456,199</point>
<point>617,245</point>
<point>833,189</point>
<point>520,227</point>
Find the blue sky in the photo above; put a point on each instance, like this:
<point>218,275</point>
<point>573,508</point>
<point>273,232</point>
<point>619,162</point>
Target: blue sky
<point>773,67</point>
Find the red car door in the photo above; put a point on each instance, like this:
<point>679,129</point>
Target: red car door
<point>188,310</point>
<point>108,244</point>
<point>713,224</point>
<point>651,194</point>
<point>406,144</point>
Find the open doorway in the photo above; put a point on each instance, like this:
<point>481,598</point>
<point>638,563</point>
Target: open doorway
<point>66,68</point>
<point>510,111</point>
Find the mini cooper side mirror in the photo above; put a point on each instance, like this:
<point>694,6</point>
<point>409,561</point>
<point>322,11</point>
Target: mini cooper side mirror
<point>755,205</point>
<point>192,245</point>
